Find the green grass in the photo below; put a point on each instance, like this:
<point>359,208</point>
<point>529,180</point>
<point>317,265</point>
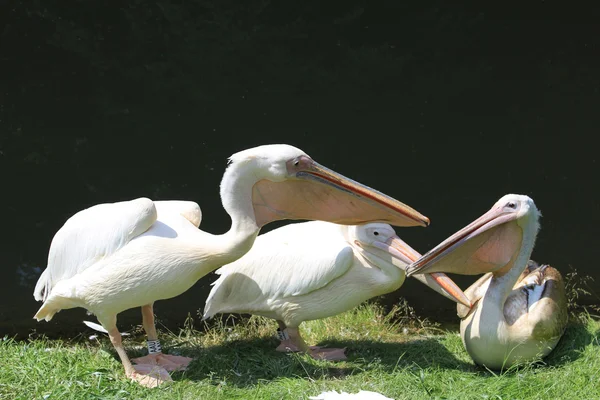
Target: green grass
<point>392,354</point>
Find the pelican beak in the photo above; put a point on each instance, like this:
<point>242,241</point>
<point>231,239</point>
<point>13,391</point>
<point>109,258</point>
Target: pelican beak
<point>445,286</point>
<point>315,192</point>
<point>478,248</point>
<point>368,205</point>
<point>439,282</point>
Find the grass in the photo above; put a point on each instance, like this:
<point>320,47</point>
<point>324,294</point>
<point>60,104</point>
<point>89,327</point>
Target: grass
<point>400,357</point>
<point>396,355</point>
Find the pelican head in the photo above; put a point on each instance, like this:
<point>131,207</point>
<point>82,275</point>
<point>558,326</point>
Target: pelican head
<point>380,241</point>
<point>286,183</point>
<point>379,244</point>
<point>488,244</point>
<point>523,206</point>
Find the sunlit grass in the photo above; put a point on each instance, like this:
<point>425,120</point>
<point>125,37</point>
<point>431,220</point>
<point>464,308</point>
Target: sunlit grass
<point>399,357</point>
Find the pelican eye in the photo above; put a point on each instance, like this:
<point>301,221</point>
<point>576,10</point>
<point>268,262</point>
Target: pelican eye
<point>376,233</point>
<point>296,163</point>
<point>511,204</point>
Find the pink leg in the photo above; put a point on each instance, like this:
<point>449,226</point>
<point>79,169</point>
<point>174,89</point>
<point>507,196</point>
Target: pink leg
<point>145,375</point>
<point>292,341</point>
<point>168,362</point>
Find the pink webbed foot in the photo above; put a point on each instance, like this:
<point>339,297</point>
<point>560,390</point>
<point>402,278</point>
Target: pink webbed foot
<point>167,361</point>
<point>149,375</point>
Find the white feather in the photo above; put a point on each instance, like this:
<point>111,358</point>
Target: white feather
<point>304,271</point>
<point>535,293</point>
<point>99,231</point>
<point>361,395</point>
<point>190,210</point>
<point>95,326</point>
<point>92,235</point>
<point>99,328</point>
<point>266,272</point>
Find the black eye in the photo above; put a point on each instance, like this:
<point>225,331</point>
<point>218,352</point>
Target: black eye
<point>511,204</point>
<point>376,233</point>
<point>296,163</point>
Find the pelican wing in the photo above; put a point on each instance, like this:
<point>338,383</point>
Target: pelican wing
<point>188,209</point>
<point>474,293</point>
<point>91,235</point>
<point>290,261</point>
<point>539,293</point>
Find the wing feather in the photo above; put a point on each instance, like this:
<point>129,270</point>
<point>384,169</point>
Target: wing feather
<point>91,235</point>
<point>188,209</point>
<point>290,261</point>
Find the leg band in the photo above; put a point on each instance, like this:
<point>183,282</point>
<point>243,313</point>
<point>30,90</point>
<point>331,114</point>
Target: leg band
<point>282,335</point>
<point>154,347</point>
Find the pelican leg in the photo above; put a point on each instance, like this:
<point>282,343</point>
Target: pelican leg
<point>292,341</point>
<point>146,375</point>
<point>156,356</point>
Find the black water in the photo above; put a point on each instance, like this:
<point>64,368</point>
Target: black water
<point>445,107</point>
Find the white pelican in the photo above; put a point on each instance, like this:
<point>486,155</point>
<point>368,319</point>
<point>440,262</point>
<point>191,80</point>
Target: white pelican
<point>112,257</point>
<point>519,311</point>
<point>314,270</point>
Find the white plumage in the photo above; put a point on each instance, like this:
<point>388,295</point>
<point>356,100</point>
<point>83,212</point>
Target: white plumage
<point>313,270</point>
<point>112,257</point>
<point>290,261</point>
<point>519,309</point>
<point>92,235</point>
<point>107,256</point>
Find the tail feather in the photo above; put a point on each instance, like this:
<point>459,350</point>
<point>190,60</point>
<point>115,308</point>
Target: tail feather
<point>214,299</point>
<point>95,326</point>
<point>42,287</point>
<point>46,311</point>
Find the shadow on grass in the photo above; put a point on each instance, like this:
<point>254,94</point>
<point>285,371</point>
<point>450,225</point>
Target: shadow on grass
<point>576,338</point>
<point>247,362</point>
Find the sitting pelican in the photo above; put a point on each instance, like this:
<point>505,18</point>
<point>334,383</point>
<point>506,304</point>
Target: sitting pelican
<point>519,310</point>
<point>314,270</point>
<point>113,257</point>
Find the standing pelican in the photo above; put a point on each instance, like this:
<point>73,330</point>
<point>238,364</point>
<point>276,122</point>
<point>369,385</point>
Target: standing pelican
<point>314,270</point>
<point>112,257</point>
<point>519,310</point>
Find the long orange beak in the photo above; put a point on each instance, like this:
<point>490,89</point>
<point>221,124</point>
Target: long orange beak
<point>478,248</point>
<point>368,203</point>
<point>439,282</point>
<point>317,193</point>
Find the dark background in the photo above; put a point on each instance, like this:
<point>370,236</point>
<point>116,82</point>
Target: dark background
<point>446,107</point>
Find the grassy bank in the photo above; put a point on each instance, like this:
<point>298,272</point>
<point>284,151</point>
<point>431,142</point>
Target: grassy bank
<point>392,354</point>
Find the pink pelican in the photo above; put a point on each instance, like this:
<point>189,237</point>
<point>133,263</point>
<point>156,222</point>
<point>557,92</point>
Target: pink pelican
<point>519,309</point>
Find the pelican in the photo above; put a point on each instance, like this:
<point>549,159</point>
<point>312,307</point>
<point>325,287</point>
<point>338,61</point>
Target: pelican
<point>314,270</point>
<point>519,309</point>
<point>113,257</point>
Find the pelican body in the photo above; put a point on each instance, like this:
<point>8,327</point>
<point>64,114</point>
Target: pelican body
<point>314,270</point>
<point>519,309</point>
<point>112,257</point>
